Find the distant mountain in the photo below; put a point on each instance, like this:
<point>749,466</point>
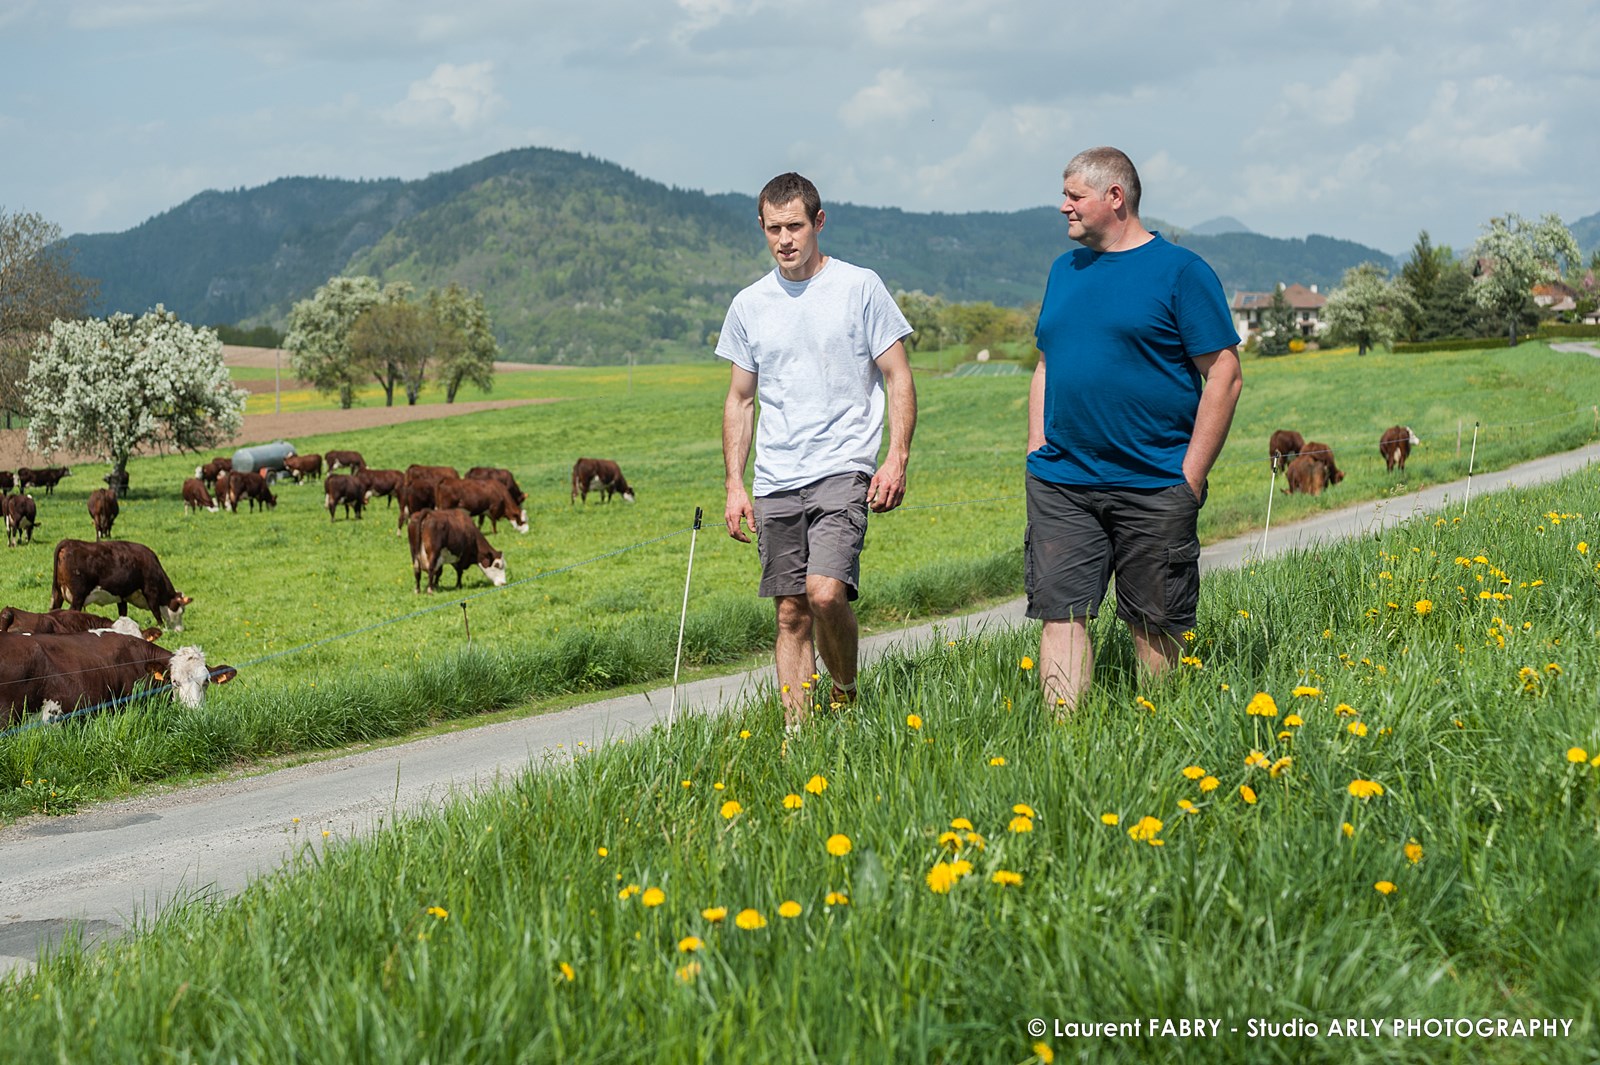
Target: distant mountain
<point>1586,231</point>
<point>580,260</point>
<point>1216,227</point>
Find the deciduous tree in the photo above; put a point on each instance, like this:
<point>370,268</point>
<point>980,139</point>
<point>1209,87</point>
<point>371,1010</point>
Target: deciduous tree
<point>1368,309</point>
<point>111,386</point>
<point>1516,255</point>
<point>318,340</point>
<point>397,342</point>
<point>37,286</point>
<point>469,354</point>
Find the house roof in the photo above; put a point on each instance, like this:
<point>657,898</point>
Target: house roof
<point>1298,296</point>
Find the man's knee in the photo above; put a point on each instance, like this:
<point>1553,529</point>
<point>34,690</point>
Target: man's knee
<point>794,614</point>
<point>827,595</point>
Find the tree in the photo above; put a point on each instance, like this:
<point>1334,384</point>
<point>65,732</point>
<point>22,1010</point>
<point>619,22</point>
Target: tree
<point>396,342</point>
<point>925,314</point>
<point>1516,255</point>
<point>1368,309</point>
<point>318,340</point>
<point>37,286</point>
<point>111,386</point>
<point>1277,325</point>
<point>471,353</point>
<point>1420,275</point>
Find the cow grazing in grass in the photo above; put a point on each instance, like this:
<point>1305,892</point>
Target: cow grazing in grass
<point>46,478</point>
<point>20,516</point>
<point>303,466</point>
<point>599,475</point>
<point>115,572</point>
<point>495,473</point>
<point>1395,446</point>
<point>250,486</point>
<point>8,481</point>
<point>343,488</point>
<point>480,499</point>
<point>103,511</point>
<point>442,538</point>
<point>350,460</point>
<point>1284,446</point>
<point>195,496</point>
<point>1324,454</point>
<point>15,619</point>
<point>59,673</point>
<point>380,483</point>
<point>1306,475</point>
<point>212,470</point>
<point>417,489</point>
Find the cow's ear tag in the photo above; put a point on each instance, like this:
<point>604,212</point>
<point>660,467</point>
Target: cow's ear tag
<point>159,676</point>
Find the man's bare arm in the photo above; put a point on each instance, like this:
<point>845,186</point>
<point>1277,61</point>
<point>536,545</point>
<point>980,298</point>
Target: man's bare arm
<point>1224,381</point>
<point>888,487</point>
<point>1036,408</point>
<point>738,426</point>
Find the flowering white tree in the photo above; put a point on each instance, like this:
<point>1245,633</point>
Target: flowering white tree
<point>319,335</point>
<point>1367,309</point>
<point>1519,254</point>
<point>109,386</point>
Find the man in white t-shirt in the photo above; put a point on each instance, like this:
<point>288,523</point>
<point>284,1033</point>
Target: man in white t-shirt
<point>819,342</point>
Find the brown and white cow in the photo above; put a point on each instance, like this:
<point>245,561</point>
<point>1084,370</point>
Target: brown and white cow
<point>1306,475</point>
<point>1284,446</point>
<point>442,538</point>
<point>504,476</point>
<point>417,489</point>
<point>59,673</point>
<point>15,619</point>
<point>1324,454</point>
<point>380,483</point>
<point>195,496</point>
<point>249,486</point>
<point>343,488</point>
<point>303,466</point>
<point>103,511</point>
<point>599,475</point>
<point>1395,446</point>
<point>212,470</point>
<point>120,572</point>
<point>46,478</point>
<point>349,459</point>
<point>481,499</point>
<point>21,515</point>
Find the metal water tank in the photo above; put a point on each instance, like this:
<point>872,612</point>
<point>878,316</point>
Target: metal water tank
<point>264,459</point>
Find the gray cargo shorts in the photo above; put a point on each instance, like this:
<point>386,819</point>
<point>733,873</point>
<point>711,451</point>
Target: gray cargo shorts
<point>819,528</point>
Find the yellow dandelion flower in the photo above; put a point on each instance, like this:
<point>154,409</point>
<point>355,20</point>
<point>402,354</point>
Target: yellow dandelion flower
<point>567,973</point>
<point>817,784</point>
<point>1244,613</point>
<point>941,878</point>
<point>1365,789</point>
<point>1188,807</point>
<point>1348,829</point>
<point>1294,721</point>
<point>1413,852</point>
<point>1024,809</point>
<point>1262,705</point>
<point>1026,663</point>
<point>1189,636</point>
<point>1143,703</point>
<point>975,840</point>
<point>1247,793</point>
<point>836,898</point>
<point>1210,784</point>
<point>719,786</point>
<point>731,809</point>
<point>687,973</point>
<point>688,783</point>
<point>1109,819</point>
<point>1384,887</point>
<point>951,840</point>
<point>1345,710</point>
<point>750,920</point>
<point>1006,878</point>
<point>1043,1052</point>
<point>439,912</point>
<point>1583,547</point>
<point>602,852</point>
<point>997,760</point>
<point>789,910</point>
<point>1193,772</point>
<point>1552,669</point>
<point>1423,607</point>
<point>1356,728</point>
<point>1020,824</point>
<point>715,914</point>
<point>1147,828</point>
<point>744,734</point>
<point>628,892</point>
<point>792,801</point>
<point>913,721</point>
<point>690,944</point>
<point>1307,691</point>
<point>961,867</point>
<point>653,897</point>
<point>838,845</point>
<point>1256,759</point>
<point>1279,766</point>
<point>1577,754</point>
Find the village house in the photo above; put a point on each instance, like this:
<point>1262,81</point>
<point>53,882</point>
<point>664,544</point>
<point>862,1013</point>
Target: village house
<point>1250,307</point>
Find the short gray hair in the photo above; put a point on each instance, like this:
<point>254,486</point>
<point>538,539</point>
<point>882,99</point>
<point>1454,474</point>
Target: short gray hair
<point>1101,168</point>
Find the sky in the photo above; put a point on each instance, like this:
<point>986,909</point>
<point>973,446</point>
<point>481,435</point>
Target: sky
<point>1362,120</point>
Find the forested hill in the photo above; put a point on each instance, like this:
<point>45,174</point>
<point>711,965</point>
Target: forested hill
<point>580,260</point>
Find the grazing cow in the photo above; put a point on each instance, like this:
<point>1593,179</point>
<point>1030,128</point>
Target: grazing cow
<point>448,537</point>
<point>1306,475</point>
<point>1395,446</point>
<point>596,475</point>
<point>46,478</point>
<point>103,511</point>
<point>15,619</point>
<point>415,471</point>
<point>350,459</point>
<point>8,481</point>
<point>480,499</point>
<point>303,466</point>
<point>380,483</point>
<point>343,488</point>
<point>1284,446</point>
<point>115,572</point>
<point>415,496</point>
<point>195,496</point>
<point>250,486</point>
<point>495,473</point>
<point>59,673</point>
<point>21,515</point>
<point>1324,454</point>
<point>212,470</point>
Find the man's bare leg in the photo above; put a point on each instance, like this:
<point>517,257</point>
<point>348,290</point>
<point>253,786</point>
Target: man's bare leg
<point>836,632</point>
<point>1066,663</point>
<point>1157,651</point>
<point>796,658</point>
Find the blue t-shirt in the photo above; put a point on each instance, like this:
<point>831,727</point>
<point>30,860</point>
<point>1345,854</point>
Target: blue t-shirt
<point>1119,332</point>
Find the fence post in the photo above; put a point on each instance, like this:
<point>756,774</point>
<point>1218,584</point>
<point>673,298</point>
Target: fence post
<point>1272,487</point>
<point>466,623</point>
<point>683,616</point>
<point>1467,498</point>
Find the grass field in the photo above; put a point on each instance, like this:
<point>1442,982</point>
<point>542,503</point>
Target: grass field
<point>1372,794</point>
<point>321,619</point>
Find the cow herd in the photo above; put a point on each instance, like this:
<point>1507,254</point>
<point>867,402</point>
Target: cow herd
<point>1309,467</point>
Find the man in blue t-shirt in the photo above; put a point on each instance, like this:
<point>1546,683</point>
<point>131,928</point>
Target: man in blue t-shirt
<point>1126,414</point>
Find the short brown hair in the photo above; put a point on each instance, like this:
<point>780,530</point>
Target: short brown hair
<point>1101,168</point>
<point>786,188</point>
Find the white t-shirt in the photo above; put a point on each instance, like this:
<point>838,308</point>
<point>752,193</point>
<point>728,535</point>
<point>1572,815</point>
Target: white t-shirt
<point>812,345</point>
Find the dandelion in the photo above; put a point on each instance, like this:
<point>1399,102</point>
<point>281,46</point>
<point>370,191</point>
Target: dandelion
<point>951,840</point>
<point>1348,829</point>
<point>941,878</point>
<point>688,783</point>
<point>1244,614</point>
<point>997,760</point>
<point>1043,1052</point>
<point>715,914</point>
<point>750,920</point>
<point>719,786</point>
<point>687,973</point>
<point>789,910</point>
<point>1365,789</point>
<point>975,840</point>
<point>1262,705</point>
<point>1279,766</point>
<point>961,824</point>
<point>731,809</point>
<point>1583,547</point>
<point>1189,636</point>
<point>1020,824</point>
<point>1294,721</point>
<point>1356,728</point>
<point>439,912</point>
<point>1345,710</point>
<point>836,898</point>
<point>1146,830</point>
<point>1384,887</point>
<point>690,944</point>
<point>1024,809</point>
<point>792,801</point>
<point>1256,759</point>
<point>1423,607</point>
<point>913,721</point>
<point>961,868</point>
<point>1306,691</point>
<point>1248,794</point>
<point>1193,772</point>
<point>838,845</point>
<point>1109,819</point>
<point>1574,754</point>
<point>1413,852</point>
<point>1146,704</point>
<point>653,897</point>
<point>1552,669</point>
<point>1210,784</point>
<point>1006,878</point>
<point>567,973</point>
<point>1026,663</point>
<point>1188,807</point>
<point>817,784</point>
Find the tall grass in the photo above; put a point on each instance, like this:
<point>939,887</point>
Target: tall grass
<point>1452,662</point>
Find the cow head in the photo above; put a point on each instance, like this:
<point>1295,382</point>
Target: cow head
<point>521,522</point>
<point>1414,439</point>
<point>188,675</point>
<point>496,570</point>
<point>627,492</point>
<point>171,612</point>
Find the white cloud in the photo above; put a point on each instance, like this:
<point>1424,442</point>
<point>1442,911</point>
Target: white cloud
<point>894,97</point>
<point>463,96</point>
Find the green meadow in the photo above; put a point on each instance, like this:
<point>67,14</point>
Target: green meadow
<point>334,646</point>
<point>1371,793</point>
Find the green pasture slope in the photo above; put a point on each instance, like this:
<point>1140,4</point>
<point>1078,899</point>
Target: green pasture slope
<point>1406,831</point>
<point>321,619</point>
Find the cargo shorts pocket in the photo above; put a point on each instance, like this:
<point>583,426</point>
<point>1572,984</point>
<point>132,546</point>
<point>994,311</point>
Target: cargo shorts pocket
<point>1182,592</point>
